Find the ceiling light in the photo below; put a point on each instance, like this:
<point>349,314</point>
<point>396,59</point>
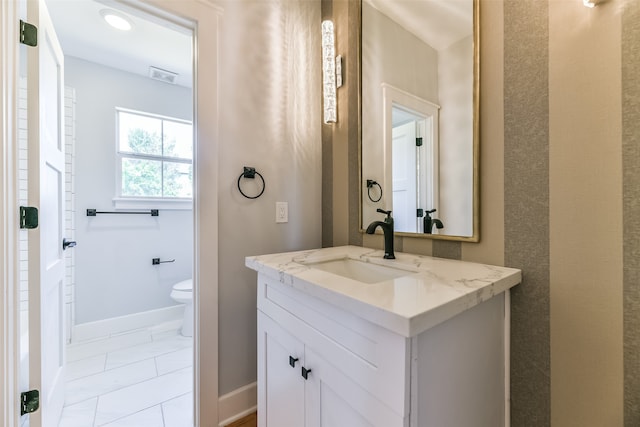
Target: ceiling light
<point>116,19</point>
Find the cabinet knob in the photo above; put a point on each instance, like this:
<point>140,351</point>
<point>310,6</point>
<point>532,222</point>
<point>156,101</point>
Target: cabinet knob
<point>292,361</point>
<point>305,372</point>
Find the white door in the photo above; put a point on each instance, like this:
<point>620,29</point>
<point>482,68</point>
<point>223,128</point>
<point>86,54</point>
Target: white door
<point>334,400</point>
<point>280,382</point>
<point>45,96</point>
<point>404,175</point>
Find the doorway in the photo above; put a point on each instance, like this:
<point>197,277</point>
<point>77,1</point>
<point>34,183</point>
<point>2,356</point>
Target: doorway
<point>124,340</point>
<point>70,335</point>
<point>204,19</point>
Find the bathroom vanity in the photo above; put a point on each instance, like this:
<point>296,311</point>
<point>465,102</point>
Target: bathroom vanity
<point>347,338</point>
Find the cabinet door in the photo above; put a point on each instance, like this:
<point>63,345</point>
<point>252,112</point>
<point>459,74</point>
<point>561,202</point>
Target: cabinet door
<point>333,400</point>
<point>280,385</point>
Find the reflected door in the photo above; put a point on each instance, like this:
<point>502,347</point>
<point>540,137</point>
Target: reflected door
<point>404,161</point>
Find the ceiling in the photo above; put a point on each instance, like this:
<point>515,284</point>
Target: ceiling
<point>439,23</point>
<point>83,33</point>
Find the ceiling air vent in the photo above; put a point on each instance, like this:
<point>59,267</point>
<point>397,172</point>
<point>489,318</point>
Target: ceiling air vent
<point>163,75</point>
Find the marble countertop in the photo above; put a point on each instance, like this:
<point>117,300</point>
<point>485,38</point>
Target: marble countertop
<point>429,291</point>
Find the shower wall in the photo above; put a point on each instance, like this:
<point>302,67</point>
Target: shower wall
<point>69,205</point>
<point>113,270</point>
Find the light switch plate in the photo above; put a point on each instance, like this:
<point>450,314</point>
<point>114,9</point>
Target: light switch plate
<point>282,212</point>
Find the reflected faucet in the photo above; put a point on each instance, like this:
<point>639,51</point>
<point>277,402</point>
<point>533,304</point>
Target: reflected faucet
<point>387,229</point>
<point>428,222</point>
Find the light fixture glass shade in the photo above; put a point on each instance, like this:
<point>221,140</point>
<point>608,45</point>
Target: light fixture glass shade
<point>116,20</point>
<point>329,73</point>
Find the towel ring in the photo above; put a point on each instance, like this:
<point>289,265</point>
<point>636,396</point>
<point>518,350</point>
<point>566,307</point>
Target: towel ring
<point>250,173</point>
<point>370,184</point>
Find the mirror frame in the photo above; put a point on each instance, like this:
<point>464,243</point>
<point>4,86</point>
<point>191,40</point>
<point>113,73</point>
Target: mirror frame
<point>475,237</point>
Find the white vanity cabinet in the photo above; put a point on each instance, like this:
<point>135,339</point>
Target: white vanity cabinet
<point>360,374</point>
<point>326,397</point>
<point>425,349</point>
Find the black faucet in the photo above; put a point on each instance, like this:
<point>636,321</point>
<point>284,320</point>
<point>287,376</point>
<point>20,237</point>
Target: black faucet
<point>428,222</point>
<point>387,229</point>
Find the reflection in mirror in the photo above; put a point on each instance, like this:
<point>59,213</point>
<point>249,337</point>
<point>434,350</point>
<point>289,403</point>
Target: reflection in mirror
<point>419,130</point>
<point>412,145</point>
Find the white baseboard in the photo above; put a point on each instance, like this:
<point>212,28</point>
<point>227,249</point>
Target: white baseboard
<point>116,325</point>
<point>237,404</point>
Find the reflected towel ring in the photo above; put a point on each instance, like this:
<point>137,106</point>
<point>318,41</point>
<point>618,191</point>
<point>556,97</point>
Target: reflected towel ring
<point>250,173</point>
<point>370,184</point>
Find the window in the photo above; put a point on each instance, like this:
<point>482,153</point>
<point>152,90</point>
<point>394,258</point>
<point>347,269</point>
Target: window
<point>154,156</point>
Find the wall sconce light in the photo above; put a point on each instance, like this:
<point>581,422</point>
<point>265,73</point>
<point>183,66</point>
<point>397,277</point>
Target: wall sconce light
<point>329,73</point>
<point>591,3</point>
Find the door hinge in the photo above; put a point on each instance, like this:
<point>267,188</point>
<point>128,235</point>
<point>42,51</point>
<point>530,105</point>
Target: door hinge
<point>29,401</point>
<point>419,141</point>
<point>28,217</point>
<point>419,213</point>
<point>28,34</point>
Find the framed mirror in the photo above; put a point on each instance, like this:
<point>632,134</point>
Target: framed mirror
<point>420,114</point>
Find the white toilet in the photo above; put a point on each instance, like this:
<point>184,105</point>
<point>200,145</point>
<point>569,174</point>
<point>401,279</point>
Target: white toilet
<point>183,293</point>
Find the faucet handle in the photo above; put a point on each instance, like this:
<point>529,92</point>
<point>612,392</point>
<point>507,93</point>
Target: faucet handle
<point>388,219</point>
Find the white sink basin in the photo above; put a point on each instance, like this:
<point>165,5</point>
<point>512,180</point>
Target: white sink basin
<point>365,272</point>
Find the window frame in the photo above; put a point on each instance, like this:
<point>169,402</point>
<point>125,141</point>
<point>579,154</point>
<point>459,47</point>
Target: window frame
<point>144,202</point>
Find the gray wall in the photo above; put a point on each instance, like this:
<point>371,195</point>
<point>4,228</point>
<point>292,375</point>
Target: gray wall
<point>526,198</point>
<point>455,65</point>
<point>270,118</point>
<point>631,210</point>
<point>114,275</point>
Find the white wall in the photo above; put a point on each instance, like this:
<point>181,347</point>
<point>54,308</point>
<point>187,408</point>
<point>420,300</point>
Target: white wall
<point>270,118</point>
<point>114,275</point>
<point>455,73</point>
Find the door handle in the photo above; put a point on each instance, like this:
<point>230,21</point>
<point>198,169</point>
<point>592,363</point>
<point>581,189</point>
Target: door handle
<point>68,244</point>
<point>292,361</point>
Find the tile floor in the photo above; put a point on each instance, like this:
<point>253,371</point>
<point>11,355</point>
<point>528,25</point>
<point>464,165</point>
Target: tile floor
<point>135,379</point>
